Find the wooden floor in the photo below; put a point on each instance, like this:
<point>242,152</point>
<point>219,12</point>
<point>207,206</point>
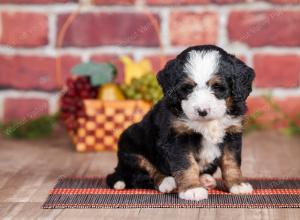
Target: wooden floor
<point>29,169</point>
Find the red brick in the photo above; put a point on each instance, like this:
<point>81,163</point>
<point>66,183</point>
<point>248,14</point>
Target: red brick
<point>284,1</point>
<point>290,106</point>
<point>227,1</point>
<point>23,29</point>
<point>122,29</point>
<point>36,1</point>
<point>259,105</point>
<point>188,28</point>
<point>23,109</point>
<point>261,28</point>
<point>191,2</point>
<point>270,117</point>
<point>241,57</point>
<point>33,72</point>
<point>177,2</point>
<point>277,70</point>
<point>159,61</point>
<point>114,2</point>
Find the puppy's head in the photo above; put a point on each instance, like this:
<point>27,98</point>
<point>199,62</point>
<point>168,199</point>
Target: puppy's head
<point>205,83</point>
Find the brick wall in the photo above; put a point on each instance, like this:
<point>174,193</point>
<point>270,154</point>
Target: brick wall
<point>265,34</point>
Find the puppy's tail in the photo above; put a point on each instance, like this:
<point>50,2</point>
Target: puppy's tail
<point>116,180</point>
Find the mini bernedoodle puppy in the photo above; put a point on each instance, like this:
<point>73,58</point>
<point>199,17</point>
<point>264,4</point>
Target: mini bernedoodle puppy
<point>195,128</point>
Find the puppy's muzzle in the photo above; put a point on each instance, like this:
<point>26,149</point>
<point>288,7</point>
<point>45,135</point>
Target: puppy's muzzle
<point>202,112</point>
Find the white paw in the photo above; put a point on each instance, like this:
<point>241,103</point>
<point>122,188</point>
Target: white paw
<point>208,181</point>
<point>196,194</point>
<point>167,185</point>
<point>119,185</point>
<point>241,188</point>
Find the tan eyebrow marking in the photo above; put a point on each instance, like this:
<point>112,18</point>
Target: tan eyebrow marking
<point>189,81</point>
<point>214,80</point>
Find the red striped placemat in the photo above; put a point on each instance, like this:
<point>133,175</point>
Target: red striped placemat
<point>92,192</point>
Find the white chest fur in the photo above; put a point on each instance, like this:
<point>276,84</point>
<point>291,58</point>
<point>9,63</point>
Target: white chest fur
<point>208,153</point>
<point>213,133</point>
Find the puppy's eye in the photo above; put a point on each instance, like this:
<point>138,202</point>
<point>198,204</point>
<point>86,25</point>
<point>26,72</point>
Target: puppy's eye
<point>219,87</point>
<point>187,88</point>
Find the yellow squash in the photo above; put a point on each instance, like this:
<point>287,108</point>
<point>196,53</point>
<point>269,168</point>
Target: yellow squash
<point>134,70</point>
<point>110,92</point>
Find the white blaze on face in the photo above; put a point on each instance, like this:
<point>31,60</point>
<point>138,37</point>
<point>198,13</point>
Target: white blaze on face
<point>200,67</point>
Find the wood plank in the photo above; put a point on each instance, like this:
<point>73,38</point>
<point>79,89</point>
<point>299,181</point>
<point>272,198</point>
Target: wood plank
<point>230,213</point>
<point>270,154</point>
<point>29,169</point>
<point>208,214</point>
<point>28,210</point>
<point>102,163</point>
<point>100,214</point>
<point>68,166</point>
<point>169,213</point>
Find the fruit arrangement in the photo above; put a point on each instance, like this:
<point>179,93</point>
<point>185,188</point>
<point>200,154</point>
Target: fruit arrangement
<point>135,70</point>
<point>145,88</point>
<point>140,82</point>
<point>78,89</point>
<point>96,81</point>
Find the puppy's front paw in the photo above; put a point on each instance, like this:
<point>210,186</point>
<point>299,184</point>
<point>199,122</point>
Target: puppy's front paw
<point>208,181</point>
<point>196,194</point>
<point>167,185</point>
<point>241,188</point>
<point>119,185</point>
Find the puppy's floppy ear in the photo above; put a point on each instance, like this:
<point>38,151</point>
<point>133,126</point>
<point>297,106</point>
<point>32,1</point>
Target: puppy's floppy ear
<point>168,76</point>
<point>241,80</point>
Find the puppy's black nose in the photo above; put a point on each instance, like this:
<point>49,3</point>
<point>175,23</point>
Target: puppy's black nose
<point>202,113</point>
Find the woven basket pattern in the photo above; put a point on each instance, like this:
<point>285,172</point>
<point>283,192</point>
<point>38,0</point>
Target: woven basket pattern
<point>105,121</point>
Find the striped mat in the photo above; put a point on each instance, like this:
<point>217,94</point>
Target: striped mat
<point>92,192</point>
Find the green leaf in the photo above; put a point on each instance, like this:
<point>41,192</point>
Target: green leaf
<point>90,68</point>
<point>99,79</point>
<point>100,73</point>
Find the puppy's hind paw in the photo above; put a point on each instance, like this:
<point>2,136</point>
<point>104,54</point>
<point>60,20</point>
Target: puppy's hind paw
<point>208,181</point>
<point>242,188</point>
<point>195,194</point>
<point>167,185</point>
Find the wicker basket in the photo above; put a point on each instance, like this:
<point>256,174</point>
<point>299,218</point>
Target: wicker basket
<point>105,120</point>
<point>104,123</point>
